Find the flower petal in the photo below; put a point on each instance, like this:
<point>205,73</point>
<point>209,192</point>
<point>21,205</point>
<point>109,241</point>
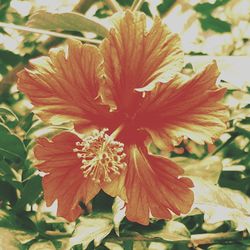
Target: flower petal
<point>135,57</point>
<point>153,184</point>
<point>191,109</point>
<point>64,180</point>
<point>116,187</point>
<point>65,85</point>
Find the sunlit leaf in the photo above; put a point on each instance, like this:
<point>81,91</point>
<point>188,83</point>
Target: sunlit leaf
<point>21,226</point>
<point>172,231</point>
<point>119,213</point>
<point>221,204</point>
<point>236,76</point>
<point>48,245</point>
<point>69,21</point>
<point>39,129</point>
<point>208,169</point>
<point>8,240</point>
<point>92,229</point>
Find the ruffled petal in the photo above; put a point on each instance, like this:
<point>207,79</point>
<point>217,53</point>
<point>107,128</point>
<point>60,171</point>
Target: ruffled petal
<point>65,85</point>
<point>153,185</point>
<point>135,57</point>
<point>64,180</point>
<point>189,108</point>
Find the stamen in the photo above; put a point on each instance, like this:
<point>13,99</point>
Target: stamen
<point>102,156</point>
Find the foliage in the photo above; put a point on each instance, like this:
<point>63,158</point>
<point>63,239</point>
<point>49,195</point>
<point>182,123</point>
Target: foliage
<point>221,171</point>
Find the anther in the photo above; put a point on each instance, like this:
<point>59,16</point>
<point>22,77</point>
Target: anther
<point>102,157</point>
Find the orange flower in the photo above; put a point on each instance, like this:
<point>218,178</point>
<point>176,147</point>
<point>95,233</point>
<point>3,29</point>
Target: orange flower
<point>130,91</point>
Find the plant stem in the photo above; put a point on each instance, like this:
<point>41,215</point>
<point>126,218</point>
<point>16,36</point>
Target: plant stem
<point>196,239</point>
<point>137,5</point>
<point>114,6</point>
<point>231,139</point>
<point>46,32</point>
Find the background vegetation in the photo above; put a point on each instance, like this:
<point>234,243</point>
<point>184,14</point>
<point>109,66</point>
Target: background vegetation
<point>220,219</point>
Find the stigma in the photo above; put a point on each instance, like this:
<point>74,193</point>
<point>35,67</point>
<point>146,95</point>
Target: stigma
<point>102,157</point>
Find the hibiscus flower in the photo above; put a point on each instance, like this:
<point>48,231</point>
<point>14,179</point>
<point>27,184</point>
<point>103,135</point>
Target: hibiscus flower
<point>121,97</point>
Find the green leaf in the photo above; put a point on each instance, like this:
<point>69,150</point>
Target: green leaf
<point>6,172</point>
<point>222,204</point>
<point>215,24</point>
<point>9,58</point>
<point>92,228</point>
<point>11,146</point>
<point>243,131</point>
<point>30,193</point>
<point>13,222</point>
<point>69,21</point>
<point>7,192</point>
<point>207,8</point>
<point>145,8</point>
<point>8,112</point>
<point>128,245</point>
<point>165,6</point>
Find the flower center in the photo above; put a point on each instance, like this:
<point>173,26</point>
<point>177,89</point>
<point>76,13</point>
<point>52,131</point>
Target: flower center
<point>102,156</point>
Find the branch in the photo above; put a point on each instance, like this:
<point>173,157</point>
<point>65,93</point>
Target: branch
<point>47,32</point>
<point>212,238</point>
<point>114,6</point>
<point>137,5</point>
<point>196,239</point>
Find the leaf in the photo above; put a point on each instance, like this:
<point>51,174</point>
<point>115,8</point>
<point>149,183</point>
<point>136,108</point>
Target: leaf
<point>91,228</point>
<point>40,129</point>
<point>208,169</point>
<point>221,204</point>
<point>9,58</point>
<point>48,245</point>
<point>237,76</point>
<point>22,226</point>
<point>6,172</point>
<point>119,213</point>
<point>215,24</point>
<point>207,8</point>
<point>114,246</point>
<point>8,112</point>
<point>30,193</point>
<point>69,21</point>
<point>8,240</point>
<point>11,146</point>
<point>7,192</point>
<point>165,6</point>
<point>172,231</point>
